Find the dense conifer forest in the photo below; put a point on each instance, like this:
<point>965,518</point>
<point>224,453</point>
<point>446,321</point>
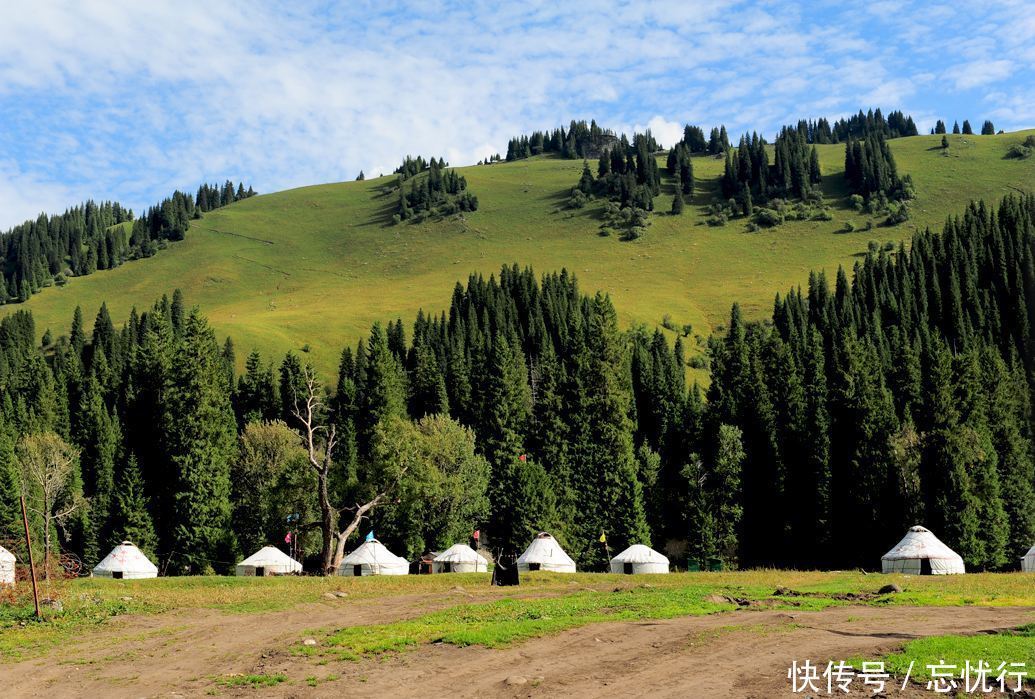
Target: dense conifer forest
<point>88,237</point>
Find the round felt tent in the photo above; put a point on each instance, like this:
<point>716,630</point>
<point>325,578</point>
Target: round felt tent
<point>921,553</point>
<point>269,560</point>
<point>125,561</point>
<point>372,558</point>
<point>7,561</point>
<point>1028,562</point>
<point>460,558</point>
<point>639,559</point>
<point>544,553</point>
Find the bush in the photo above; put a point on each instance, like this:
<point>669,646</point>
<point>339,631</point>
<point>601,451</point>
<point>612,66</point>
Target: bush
<point>577,200</point>
<point>896,214</point>
<point>768,217</point>
<point>849,227</point>
<point>1019,152</point>
<point>856,201</point>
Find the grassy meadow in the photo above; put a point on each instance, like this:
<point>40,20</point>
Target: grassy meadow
<point>312,268</point>
<point>545,603</point>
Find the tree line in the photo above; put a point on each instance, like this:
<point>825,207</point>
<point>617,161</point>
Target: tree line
<point>579,140</point>
<point>91,236</point>
<point>987,129</point>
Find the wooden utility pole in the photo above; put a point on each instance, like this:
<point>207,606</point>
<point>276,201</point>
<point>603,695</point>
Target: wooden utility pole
<point>32,565</point>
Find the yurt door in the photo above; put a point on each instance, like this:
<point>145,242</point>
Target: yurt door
<point>447,567</point>
<point>925,566</point>
<point>116,575</point>
<point>533,566</point>
<point>260,572</point>
<point>357,570</point>
<point>627,568</point>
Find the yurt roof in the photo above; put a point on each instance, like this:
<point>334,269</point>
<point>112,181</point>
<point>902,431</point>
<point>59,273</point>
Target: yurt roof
<point>638,553</point>
<point>127,557</point>
<point>6,555</point>
<point>460,553</point>
<point>544,548</point>
<point>373,552</point>
<point>920,543</point>
<point>270,556</point>
<point>1031,552</point>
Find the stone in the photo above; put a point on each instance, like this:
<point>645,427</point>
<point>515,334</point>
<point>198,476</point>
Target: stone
<point>515,681</point>
<point>309,642</point>
<point>889,589</point>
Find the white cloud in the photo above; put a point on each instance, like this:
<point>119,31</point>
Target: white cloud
<point>980,73</point>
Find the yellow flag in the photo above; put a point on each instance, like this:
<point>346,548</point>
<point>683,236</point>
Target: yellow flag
<point>603,538</point>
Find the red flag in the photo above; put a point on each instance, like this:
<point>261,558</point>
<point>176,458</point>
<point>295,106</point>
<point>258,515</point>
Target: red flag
<point>522,457</point>
<point>287,539</point>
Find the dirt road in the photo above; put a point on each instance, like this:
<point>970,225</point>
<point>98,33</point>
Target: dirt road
<point>736,654</point>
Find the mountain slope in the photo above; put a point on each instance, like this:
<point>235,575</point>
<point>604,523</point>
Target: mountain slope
<point>316,266</point>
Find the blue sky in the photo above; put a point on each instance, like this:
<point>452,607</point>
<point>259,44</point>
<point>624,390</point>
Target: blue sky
<point>128,100</point>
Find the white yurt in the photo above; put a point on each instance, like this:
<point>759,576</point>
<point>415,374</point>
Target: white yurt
<point>127,562</point>
<point>372,558</point>
<point>1028,562</point>
<point>921,553</point>
<point>269,560</point>
<point>638,559</point>
<point>7,561</point>
<point>460,558</point>
<point>544,553</point>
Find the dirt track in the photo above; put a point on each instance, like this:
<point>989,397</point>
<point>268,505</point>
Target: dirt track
<point>736,654</point>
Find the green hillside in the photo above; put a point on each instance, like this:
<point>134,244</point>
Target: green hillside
<point>316,266</point>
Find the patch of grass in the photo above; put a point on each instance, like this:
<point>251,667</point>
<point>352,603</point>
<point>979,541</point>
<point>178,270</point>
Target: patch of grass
<point>561,601</point>
<point>1016,646</point>
<point>273,271</point>
<point>251,680</point>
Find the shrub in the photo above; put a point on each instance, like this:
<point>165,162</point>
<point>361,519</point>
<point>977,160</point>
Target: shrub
<point>856,201</point>
<point>1019,152</point>
<point>768,217</point>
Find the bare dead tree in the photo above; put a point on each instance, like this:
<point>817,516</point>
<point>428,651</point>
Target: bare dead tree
<point>319,442</point>
<point>47,464</point>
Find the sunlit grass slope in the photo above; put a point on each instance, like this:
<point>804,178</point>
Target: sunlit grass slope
<point>316,266</point>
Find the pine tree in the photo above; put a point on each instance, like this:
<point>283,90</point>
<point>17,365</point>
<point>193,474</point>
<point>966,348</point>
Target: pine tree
<point>202,444</point>
<point>384,386</point>
<point>677,203</point>
<point>614,489</point>
<point>131,520</point>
